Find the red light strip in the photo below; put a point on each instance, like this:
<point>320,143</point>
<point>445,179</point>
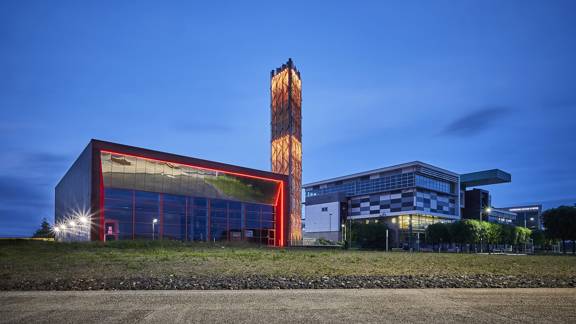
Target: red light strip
<point>101,234</point>
<point>281,242</point>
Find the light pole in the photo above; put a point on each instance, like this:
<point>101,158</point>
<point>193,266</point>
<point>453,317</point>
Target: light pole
<point>487,210</point>
<point>154,221</point>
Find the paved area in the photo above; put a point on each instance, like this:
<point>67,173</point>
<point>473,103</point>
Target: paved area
<point>271,306</point>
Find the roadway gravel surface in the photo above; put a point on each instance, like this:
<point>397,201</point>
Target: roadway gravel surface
<point>292,306</point>
<point>278,282</point>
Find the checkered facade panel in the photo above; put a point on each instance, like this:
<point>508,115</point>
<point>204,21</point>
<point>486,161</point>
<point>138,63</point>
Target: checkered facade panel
<point>402,200</point>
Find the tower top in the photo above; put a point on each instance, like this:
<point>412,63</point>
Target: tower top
<point>288,65</point>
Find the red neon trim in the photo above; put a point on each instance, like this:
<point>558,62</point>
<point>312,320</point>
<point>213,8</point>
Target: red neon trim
<point>246,175</point>
<point>102,225</point>
<point>280,216</point>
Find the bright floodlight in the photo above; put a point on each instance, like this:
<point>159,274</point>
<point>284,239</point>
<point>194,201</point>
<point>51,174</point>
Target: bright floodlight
<point>531,219</point>
<point>394,220</point>
<point>154,221</point>
<point>56,229</point>
<point>71,223</point>
<point>83,219</point>
<point>62,227</point>
<point>488,209</point>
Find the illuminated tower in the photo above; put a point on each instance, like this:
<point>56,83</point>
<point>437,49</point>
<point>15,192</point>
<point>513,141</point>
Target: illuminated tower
<point>286,111</point>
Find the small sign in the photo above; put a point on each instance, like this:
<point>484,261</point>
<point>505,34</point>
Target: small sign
<point>249,233</point>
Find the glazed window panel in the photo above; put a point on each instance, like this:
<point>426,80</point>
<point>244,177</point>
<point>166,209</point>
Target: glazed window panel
<point>133,173</point>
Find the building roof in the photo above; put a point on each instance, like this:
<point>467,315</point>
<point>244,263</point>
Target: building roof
<point>186,160</point>
<point>390,168</point>
<point>483,178</point>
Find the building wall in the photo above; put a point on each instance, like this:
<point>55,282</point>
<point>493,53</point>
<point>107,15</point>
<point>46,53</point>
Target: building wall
<point>73,192</point>
<point>414,199</point>
<point>323,217</point>
<point>334,236</point>
<point>531,214</point>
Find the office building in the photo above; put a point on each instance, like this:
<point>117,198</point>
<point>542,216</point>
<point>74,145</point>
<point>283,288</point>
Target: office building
<point>408,197</point>
<point>529,216</point>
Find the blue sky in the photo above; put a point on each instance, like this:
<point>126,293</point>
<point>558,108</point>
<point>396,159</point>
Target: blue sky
<point>464,85</point>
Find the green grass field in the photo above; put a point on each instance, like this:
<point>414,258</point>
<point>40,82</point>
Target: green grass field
<point>20,260</point>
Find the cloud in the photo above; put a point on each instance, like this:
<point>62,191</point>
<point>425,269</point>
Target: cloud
<point>476,122</point>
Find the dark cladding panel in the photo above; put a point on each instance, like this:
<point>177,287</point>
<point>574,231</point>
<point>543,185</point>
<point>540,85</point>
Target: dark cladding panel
<point>483,178</point>
<point>73,192</point>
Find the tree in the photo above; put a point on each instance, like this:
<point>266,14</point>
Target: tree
<point>44,231</point>
<point>560,224</point>
<point>370,236</point>
<point>493,234</point>
<point>522,235</point>
<point>539,238</point>
<point>438,233</point>
<point>508,234</point>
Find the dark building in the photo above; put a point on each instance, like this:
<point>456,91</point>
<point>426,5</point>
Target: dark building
<point>477,202</point>
<point>119,192</point>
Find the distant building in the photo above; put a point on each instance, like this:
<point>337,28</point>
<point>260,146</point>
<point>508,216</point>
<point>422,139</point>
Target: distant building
<point>407,197</point>
<point>501,216</point>
<point>478,204</point>
<point>529,216</point>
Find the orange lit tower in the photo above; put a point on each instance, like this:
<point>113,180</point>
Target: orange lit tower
<point>286,111</point>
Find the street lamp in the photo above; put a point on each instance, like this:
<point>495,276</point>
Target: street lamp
<point>487,210</point>
<point>154,221</point>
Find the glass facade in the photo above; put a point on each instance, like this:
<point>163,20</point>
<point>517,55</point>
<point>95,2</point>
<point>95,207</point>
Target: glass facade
<point>130,214</point>
<point>153,199</point>
<point>365,185</point>
<point>142,174</point>
<point>433,184</point>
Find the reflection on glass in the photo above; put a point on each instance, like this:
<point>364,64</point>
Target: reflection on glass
<point>132,214</point>
<point>126,172</point>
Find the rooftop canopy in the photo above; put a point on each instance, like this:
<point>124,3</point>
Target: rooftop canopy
<point>483,178</point>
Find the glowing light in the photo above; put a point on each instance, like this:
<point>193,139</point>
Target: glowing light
<point>531,219</point>
<point>286,147</point>
<point>488,209</point>
<point>154,221</point>
<point>63,227</point>
<point>393,220</point>
<point>71,223</point>
<point>57,229</point>
<point>83,219</point>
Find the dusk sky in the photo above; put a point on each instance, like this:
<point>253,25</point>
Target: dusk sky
<point>463,85</point>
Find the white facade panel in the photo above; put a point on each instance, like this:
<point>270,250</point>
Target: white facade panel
<point>322,217</point>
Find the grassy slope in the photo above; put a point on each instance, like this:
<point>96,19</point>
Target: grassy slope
<point>48,260</point>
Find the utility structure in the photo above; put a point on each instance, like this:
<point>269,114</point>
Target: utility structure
<point>286,139</point>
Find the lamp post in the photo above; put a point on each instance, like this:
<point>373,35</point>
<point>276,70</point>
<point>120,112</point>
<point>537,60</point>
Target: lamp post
<point>154,221</point>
